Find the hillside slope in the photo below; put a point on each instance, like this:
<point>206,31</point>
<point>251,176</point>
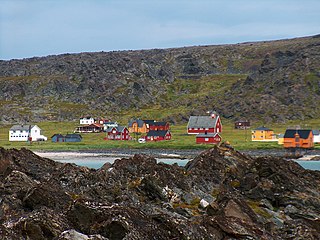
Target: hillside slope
<point>273,81</point>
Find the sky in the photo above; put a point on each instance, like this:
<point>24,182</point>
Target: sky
<point>33,28</point>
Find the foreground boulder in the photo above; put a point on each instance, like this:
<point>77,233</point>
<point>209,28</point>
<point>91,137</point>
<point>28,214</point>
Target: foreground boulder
<point>220,194</point>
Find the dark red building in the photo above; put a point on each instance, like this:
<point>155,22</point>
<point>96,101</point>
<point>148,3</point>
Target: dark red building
<point>118,133</point>
<point>204,124</point>
<point>209,138</point>
<point>242,124</point>
<point>158,135</point>
<point>92,128</point>
<point>159,126</point>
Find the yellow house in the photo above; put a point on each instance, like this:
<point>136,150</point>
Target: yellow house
<point>263,134</point>
<point>280,139</point>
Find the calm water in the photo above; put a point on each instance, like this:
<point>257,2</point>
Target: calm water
<point>312,165</point>
<point>97,162</point>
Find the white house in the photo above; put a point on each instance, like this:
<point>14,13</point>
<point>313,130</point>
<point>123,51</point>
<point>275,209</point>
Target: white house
<point>316,136</point>
<point>87,120</point>
<point>23,132</point>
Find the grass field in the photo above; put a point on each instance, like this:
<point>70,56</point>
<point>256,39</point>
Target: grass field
<point>239,139</point>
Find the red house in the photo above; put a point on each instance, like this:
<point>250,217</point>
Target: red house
<point>92,128</point>
<point>158,135</point>
<point>204,124</point>
<point>242,124</point>
<point>209,138</point>
<point>159,126</point>
<point>117,133</point>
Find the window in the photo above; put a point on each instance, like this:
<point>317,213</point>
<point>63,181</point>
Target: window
<point>206,139</point>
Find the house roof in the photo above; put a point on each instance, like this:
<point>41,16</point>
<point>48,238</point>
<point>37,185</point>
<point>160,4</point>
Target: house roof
<point>302,133</point>
<point>202,122</point>
<point>154,133</point>
<point>58,135</point>
<point>106,123</point>
<point>208,135</point>
<point>158,123</point>
<point>150,122</point>
<point>138,121</point>
<point>73,135</point>
<point>243,121</point>
<point>95,125</point>
<point>316,132</point>
<point>87,118</point>
<point>263,128</point>
<point>118,128</point>
<point>21,127</point>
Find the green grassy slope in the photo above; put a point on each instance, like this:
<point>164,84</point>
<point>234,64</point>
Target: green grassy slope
<point>240,139</point>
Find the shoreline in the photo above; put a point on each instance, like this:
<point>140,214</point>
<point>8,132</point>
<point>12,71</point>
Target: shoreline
<point>159,153</point>
<point>173,154</point>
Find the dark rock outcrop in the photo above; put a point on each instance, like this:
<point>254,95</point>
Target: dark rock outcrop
<point>220,194</point>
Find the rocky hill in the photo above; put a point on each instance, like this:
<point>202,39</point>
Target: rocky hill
<point>272,81</point>
<point>220,194</point>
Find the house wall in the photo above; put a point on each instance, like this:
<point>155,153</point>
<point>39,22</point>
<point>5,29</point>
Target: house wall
<point>158,138</point>
<point>86,120</point>
<point>298,142</point>
<point>316,138</point>
<point>242,125</point>
<point>18,135</point>
<point>281,141</point>
<point>88,129</point>
<point>168,136</point>
<point>259,135</point>
<point>218,127</point>
<point>115,135</point>
<point>200,130</point>
<point>35,133</point>
<point>72,139</point>
<point>159,128</point>
<point>208,140</point>
<point>58,139</point>
<point>136,129</point>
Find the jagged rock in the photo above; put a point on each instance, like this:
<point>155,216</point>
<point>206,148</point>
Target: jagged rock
<point>220,194</point>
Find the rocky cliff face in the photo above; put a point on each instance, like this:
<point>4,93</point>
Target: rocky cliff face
<point>250,79</point>
<point>221,194</point>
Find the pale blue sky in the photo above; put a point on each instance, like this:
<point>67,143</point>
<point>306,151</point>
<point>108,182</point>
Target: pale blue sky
<point>47,27</point>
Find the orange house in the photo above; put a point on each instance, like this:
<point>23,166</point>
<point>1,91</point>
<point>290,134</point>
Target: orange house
<point>263,134</point>
<point>298,139</point>
<point>137,126</point>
